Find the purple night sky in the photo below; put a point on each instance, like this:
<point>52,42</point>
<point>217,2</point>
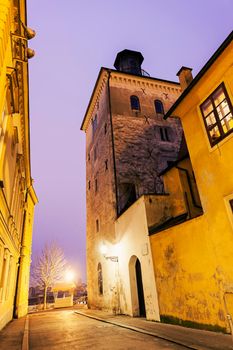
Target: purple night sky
<point>74,39</point>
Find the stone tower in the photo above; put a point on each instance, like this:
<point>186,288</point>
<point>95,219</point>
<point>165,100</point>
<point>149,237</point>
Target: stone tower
<point>128,143</point>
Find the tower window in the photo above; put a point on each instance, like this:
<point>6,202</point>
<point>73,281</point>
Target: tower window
<point>231,204</point>
<point>96,185</point>
<point>95,153</point>
<point>97,225</point>
<point>135,104</point>
<point>217,113</point>
<point>94,125</point>
<point>164,134</point>
<point>159,107</point>
<point>100,279</point>
<point>89,185</point>
<point>106,164</point>
<point>105,128</point>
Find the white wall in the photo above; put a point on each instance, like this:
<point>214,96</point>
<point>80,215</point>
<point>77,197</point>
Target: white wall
<point>133,240</point>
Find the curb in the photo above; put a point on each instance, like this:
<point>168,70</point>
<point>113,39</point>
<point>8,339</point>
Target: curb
<point>140,330</point>
<point>25,342</point>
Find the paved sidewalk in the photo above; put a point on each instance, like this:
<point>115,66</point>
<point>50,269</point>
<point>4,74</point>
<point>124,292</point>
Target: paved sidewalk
<point>11,336</point>
<point>192,338</point>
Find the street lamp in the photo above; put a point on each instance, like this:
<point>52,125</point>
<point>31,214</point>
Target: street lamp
<point>69,276</point>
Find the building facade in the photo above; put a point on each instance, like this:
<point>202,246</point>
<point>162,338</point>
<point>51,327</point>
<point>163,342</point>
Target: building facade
<point>128,143</point>
<point>17,196</point>
<point>193,257</point>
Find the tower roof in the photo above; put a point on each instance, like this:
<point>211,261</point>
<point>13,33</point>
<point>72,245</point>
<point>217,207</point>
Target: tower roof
<point>126,53</point>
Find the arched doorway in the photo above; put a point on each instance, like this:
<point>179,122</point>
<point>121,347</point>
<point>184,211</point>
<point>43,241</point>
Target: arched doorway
<point>141,300</point>
<point>136,286</point>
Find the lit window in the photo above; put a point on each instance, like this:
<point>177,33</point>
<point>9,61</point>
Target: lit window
<point>217,115</point>
<point>135,104</point>
<point>159,107</point>
<point>100,279</point>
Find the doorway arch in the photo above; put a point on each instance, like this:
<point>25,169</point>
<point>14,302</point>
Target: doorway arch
<point>136,287</point>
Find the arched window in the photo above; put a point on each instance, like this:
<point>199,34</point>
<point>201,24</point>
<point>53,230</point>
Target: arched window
<point>135,104</point>
<point>100,279</point>
<point>159,107</point>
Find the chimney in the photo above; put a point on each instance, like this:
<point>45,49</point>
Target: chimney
<point>185,77</point>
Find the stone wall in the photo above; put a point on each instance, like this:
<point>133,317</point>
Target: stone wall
<point>123,147</point>
<point>101,199</point>
<point>142,148</point>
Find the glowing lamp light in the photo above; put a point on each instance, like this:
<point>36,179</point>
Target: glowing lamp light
<point>103,249</point>
<point>69,276</point>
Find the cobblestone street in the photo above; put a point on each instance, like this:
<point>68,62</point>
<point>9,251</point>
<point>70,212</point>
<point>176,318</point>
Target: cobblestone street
<point>68,330</point>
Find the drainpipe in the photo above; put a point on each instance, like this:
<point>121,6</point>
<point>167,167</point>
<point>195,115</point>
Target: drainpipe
<point>15,312</point>
<point>112,136</point>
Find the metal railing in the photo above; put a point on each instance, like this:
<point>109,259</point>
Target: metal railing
<point>145,73</point>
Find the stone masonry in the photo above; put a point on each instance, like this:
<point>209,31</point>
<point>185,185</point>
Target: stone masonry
<point>125,151</point>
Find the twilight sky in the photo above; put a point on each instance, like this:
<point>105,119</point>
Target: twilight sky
<point>74,39</point>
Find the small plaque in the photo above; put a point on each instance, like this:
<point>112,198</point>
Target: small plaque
<point>145,249</point>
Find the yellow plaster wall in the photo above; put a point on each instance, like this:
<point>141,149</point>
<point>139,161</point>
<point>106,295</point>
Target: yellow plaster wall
<point>193,261</point>
<point>17,197</point>
<point>25,259</point>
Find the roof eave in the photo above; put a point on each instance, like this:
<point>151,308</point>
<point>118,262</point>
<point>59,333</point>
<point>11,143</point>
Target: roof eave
<point>209,63</point>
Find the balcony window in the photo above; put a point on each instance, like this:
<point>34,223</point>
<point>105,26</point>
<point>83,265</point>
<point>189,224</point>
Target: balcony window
<point>217,115</point>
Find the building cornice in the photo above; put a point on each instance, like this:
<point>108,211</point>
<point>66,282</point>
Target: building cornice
<point>141,79</point>
<point>120,78</point>
<point>33,195</point>
<point>201,73</point>
<point>99,86</point>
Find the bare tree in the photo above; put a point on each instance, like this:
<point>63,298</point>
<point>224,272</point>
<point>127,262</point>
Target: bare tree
<point>48,268</point>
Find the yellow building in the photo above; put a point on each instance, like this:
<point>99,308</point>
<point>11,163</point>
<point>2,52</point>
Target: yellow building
<point>17,196</point>
<point>192,245</point>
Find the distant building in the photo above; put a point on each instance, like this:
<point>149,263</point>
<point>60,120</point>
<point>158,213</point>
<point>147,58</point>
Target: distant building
<point>17,196</point>
<point>63,294</point>
<point>193,257</point>
<point>128,143</point>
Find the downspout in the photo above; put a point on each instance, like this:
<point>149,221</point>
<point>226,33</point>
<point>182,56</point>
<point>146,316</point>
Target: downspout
<point>112,137</point>
<point>18,269</point>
